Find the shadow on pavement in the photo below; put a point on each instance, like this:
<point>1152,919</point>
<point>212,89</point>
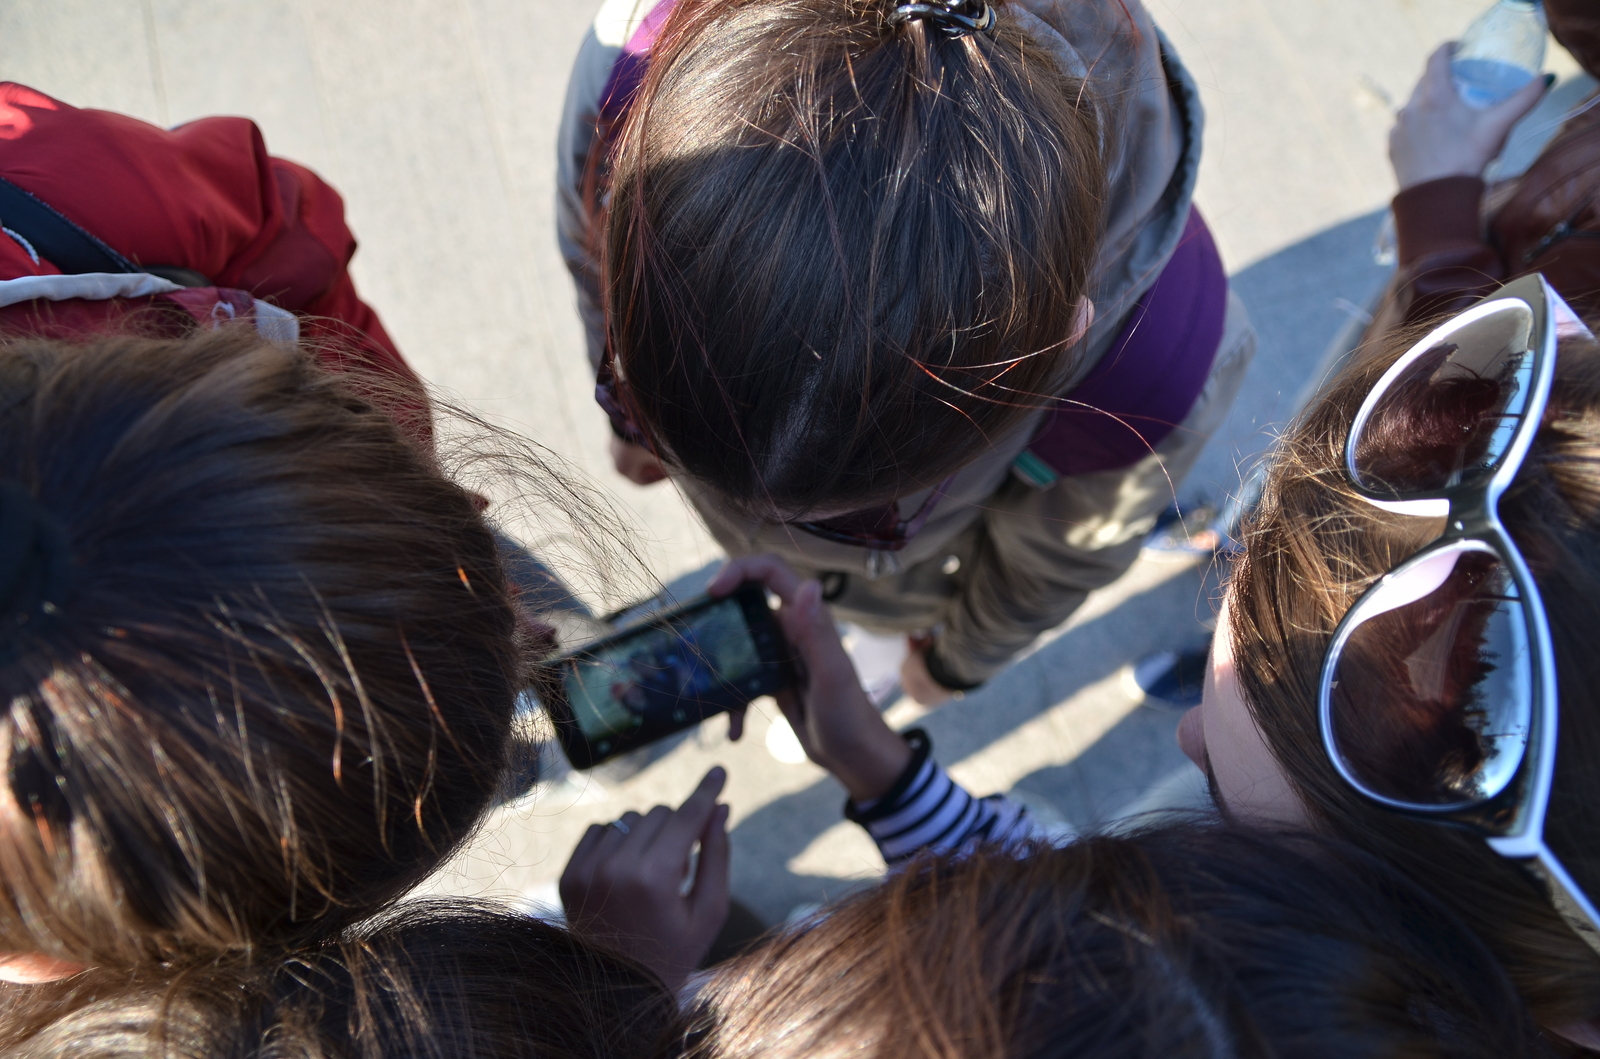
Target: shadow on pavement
<point>1299,300</point>
<point>1094,788</point>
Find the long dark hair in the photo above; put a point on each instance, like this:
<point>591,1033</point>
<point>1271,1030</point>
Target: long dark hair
<point>1314,546</point>
<point>842,256</point>
<point>1183,942</point>
<point>436,979</point>
<point>279,688</point>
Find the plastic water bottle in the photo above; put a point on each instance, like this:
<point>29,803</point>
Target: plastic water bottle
<point>1500,52</point>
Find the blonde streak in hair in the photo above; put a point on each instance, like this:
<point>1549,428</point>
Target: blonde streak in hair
<point>988,926</point>
<point>295,863</point>
<point>118,726</point>
<point>357,957</point>
<point>438,722</point>
<point>290,854</point>
<point>60,895</point>
<point>239,728</point>
<point>908,902</point>
<point>1568,450</point>
<point>271,794</point>
<point>783,1000</point>
<point>180,826</point>
<point>873,944</point>
<point>378,737</point>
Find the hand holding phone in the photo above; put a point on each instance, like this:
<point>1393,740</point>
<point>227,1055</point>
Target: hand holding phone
<point>836,723</point>
<point>623,885</point>
<point>666,674</point>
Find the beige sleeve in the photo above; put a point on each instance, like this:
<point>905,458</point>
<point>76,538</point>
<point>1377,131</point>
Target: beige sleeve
<point>575,136</point>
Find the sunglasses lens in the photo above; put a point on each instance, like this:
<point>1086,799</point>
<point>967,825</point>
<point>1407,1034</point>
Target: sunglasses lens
<point>1449,416</point>
<point>1431,696</point>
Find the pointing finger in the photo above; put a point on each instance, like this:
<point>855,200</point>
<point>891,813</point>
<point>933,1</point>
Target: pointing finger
<point>683,828</point>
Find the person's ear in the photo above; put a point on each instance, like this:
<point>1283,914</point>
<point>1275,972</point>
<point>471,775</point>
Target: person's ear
<point>1082,320</point>
<point>32,968</point>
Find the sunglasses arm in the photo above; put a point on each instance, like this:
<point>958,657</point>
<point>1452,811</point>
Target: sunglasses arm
<point>1565,894</point>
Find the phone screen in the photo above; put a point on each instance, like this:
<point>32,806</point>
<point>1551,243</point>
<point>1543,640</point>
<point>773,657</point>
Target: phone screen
<point>650,675</point>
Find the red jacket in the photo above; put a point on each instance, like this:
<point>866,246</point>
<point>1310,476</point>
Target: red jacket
<point>205,196</point>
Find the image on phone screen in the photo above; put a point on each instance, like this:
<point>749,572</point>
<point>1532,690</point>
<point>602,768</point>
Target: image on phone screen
<point>658,675</point>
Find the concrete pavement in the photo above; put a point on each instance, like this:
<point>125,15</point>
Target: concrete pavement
<point>437,122</point>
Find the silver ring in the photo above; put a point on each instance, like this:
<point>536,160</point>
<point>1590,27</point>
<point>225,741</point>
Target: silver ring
<point>620,826</point>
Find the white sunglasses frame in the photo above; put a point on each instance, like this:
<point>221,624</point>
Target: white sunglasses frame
<point>1473,524</point>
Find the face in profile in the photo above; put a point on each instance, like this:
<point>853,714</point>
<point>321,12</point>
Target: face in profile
<point>1220,736</point>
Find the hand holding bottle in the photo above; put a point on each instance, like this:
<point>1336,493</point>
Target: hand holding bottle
<point>1438,134</point>
<point>1500,52</point>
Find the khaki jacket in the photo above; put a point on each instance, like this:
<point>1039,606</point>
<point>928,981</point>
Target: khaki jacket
<point>1153,123</point>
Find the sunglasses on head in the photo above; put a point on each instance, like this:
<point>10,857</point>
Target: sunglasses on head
<point>1438,694</point>
<point>880,528</point>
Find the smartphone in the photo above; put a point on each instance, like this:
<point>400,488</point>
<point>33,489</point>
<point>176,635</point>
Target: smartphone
<point>667,674</point>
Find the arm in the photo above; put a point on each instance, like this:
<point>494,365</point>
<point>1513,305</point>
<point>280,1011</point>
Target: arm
<point>897,792</point>
<point>575,168</point>
<point>927,811</point>
<point>1444,261</point>
<point>307,268</point>
<point>1439,148</point>
<point>575,140</point>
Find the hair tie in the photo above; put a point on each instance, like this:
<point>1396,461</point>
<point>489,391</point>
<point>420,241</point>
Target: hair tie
<point>35,563</point>
<point>953,18</point>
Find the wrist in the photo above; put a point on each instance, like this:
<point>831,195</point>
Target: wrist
<point>918,749</point>
<point>874,766</point>
<point>1438,214</point>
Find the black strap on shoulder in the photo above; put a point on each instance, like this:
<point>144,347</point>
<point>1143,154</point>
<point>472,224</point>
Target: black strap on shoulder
<point>56,239</point>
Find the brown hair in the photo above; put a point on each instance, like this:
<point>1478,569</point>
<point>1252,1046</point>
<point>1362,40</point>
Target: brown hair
<point>441,979</point>
<point>843,256</point>
<point>1186,941</point>
<point>279,688</point>
<point>1314,546</point>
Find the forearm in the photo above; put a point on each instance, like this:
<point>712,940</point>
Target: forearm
<point>576,170</point>
<point>1445,262</point>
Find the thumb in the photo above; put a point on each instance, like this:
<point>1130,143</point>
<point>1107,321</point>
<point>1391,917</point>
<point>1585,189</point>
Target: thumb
<point>1514,107</point>
<point>803,616</point>
<point>812,633</point>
